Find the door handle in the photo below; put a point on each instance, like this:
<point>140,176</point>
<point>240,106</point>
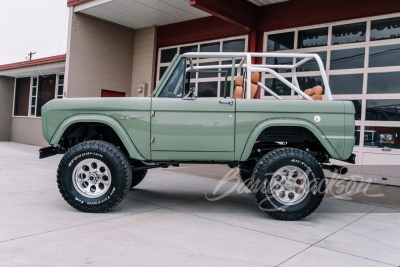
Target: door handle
<point>386,149</point>
<point>226,102</point>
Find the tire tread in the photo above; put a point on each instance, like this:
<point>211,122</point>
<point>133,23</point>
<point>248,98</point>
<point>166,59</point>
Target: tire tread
<point>271,157</point>
<point>123,167</point>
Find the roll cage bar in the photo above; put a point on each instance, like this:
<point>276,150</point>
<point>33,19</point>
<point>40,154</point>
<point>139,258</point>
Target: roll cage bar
<point>249,67</point>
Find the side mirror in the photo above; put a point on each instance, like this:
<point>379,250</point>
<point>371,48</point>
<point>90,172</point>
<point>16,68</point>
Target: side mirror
<point>191,95</point>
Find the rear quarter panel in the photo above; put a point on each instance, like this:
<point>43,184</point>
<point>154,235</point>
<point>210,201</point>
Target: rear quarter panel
<point>250,113</point>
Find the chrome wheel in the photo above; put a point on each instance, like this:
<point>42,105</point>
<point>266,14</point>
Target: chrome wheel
<point>289,185</point>
<point>91,178</point>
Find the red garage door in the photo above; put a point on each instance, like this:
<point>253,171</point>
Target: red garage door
<point>108,93</point>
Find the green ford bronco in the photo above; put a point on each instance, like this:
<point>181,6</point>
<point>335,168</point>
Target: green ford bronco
<point>279,145</point>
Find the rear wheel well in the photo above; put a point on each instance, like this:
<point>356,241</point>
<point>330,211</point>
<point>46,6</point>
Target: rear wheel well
<point>276,137</point>
<point>85,131</point>
<point>289,136</point>
<point>286,136</point>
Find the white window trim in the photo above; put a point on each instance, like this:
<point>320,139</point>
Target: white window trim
<point>56,95</point>
<point>196,80</point>
<point>30,95</point>
<point>365,71</point>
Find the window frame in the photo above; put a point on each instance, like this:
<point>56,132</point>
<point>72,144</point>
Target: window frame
<point>169,78</point>
<point>56,95</point>
<point>30,95</point>
<point>367,44</point>
<point>37,89</point>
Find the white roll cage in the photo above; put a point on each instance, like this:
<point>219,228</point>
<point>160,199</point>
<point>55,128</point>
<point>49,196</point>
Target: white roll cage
<point>250,68</point>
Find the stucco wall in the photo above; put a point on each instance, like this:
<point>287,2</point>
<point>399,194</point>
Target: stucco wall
<point>6,104</point>
<point>27,131</point>
<point>144,59</point>
<point>99,57</point>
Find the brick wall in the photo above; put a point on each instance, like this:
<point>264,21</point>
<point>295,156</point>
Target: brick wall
<point>144,59</point>
<point>27,131</point>
<point>99,57</point>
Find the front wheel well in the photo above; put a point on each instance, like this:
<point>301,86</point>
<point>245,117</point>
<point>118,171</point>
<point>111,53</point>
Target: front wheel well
<point>85,131</point>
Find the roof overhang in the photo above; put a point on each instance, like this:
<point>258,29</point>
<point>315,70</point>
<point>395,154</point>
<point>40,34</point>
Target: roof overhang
<point>137,14</point>
<point>42,66</point>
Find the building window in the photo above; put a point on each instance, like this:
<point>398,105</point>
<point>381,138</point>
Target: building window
<point>21,103</point>
<point>206,84</point>
<point>280,41</point>
<point>31,93</point>
<point>46,91</point>
<point>349,33</point>
<point>312,38</point>
<point>385,29</point>
<point>362,61</point>
<point>383,110</point>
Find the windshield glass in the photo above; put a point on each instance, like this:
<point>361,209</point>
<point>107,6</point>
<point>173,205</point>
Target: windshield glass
<point>174,87</point>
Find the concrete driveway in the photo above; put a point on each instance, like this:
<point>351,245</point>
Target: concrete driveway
<point>167,221</point>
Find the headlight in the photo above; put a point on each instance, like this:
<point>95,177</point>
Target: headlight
<point>386,138</point>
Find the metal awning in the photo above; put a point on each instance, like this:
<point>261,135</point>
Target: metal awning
<point>137,14</point>
<point>36,73</point>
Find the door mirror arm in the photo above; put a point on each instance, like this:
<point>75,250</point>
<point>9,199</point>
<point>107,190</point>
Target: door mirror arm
<point>191,95</point>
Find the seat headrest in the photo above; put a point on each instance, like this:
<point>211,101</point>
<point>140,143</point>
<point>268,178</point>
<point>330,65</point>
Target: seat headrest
<point>316,90</point>
<point>255,77</point>
<point>239,81</point>
<point>309,92</point>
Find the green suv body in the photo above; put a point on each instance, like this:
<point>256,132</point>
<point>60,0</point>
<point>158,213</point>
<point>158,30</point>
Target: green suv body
<point>174,126</point>
<point>203,129</point>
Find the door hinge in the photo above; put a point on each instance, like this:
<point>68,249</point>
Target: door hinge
<point>153,113</point>
<point>152,139</point>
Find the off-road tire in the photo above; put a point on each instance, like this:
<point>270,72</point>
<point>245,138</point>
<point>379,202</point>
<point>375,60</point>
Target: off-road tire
<point>274,161</point>
<point>137,177</point>
<point>115,161</point>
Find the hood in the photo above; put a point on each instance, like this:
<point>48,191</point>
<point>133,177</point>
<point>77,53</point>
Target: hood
<point>57,110</point>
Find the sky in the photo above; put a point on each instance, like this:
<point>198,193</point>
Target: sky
<point>39,26</point>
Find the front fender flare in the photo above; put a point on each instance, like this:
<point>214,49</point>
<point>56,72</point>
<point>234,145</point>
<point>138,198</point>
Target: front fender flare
<point>105,119</point>
<point>287,122</point>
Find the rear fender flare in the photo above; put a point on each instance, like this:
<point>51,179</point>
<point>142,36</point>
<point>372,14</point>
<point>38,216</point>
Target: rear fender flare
<point>110,121</point>
<point>287,122</point>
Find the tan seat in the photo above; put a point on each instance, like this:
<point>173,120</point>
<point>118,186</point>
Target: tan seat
<point>315,92</point>
<point>255,78</point>
<point>238,92</point>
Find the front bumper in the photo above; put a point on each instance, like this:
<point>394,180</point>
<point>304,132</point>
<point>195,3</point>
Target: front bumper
<point>49,151</point>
